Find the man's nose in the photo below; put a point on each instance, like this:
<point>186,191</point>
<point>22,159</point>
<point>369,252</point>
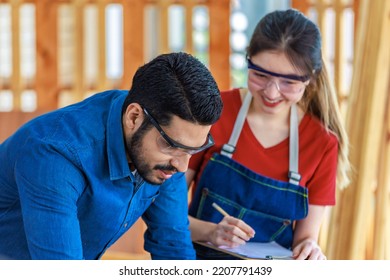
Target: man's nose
<point>181,162</point>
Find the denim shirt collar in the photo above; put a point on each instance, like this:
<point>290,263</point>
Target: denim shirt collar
<point>116,153</point>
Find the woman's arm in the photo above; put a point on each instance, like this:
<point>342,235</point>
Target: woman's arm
<point>306,233</point>
<point>190,175</point>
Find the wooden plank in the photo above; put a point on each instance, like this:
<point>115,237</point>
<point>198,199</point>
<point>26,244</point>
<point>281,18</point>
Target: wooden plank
<point>133,39</point>
<point>101,45</point>
<point>11,121</point>
<point>386,182</point>
<point>189,44</point>
<point>219,14</point>
<point>119,255</point>
<point>301,5</point>
<point>365,114</point>
<point>79,71</point>
<point>16,81</point>
<point>47,61</point>
<point>382,215</point>
<point>320,6</point>
<point>356,8</point>
<point>132,241</point>
<point>339,50</point>
<point>162,30</point>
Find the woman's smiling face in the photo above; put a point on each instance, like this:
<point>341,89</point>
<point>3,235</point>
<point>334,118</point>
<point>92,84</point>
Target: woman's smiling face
<point>278,85</point>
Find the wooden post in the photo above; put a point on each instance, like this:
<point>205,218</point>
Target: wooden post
<point>47,61</point>
<point>321,6</point>
<point>16,86</point>
<point>364,125</point>
<point>78,72</point>
<point>162,29</point>
<point>339,53</point>
<point>133,39</point>
<point>382,213</point>
<point>219,12</point>
<point>102,78</point>
<point>301,5</point>
<point>189,45</point>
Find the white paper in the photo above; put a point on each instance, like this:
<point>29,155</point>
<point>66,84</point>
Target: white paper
<point>258,250</point>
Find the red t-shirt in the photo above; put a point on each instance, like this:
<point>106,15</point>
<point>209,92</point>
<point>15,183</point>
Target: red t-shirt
<point>317,152</point>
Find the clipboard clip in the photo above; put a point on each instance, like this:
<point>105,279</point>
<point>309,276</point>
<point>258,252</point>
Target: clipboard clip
<point>269,257</point>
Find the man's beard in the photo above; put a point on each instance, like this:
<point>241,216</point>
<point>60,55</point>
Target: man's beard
<point>134,149</point>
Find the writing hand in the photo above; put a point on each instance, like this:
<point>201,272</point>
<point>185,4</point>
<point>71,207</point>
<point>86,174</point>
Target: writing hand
<point>231,232</point>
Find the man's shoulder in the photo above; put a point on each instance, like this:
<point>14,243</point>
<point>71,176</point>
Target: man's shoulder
<point>77,124</point>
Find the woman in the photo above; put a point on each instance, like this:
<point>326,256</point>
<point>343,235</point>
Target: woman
<point>280,146</point>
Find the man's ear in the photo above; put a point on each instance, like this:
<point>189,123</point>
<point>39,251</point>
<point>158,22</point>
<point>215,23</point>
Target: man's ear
<point>133,117</point>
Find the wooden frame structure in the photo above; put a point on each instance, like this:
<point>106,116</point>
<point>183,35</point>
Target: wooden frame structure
<point>46,82</point>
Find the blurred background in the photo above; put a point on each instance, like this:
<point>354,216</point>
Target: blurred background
<point>57,52</point>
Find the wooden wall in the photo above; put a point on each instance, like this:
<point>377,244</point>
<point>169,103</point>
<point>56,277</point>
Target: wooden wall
<point>47,82</point>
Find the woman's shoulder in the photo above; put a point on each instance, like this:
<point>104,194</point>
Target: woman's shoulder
<point>222,129</point>
<point>233,93</point>
<point>313,128</point>
<point>232,99</point>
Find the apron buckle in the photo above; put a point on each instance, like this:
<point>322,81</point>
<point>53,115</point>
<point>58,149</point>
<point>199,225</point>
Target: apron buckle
<point>228,149</point>
<point>295,177</point>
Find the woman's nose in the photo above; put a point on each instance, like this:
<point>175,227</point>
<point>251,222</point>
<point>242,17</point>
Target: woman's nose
<point>272,87</point>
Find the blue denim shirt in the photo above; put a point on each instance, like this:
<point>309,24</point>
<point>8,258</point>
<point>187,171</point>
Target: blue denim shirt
<point>66,190</point>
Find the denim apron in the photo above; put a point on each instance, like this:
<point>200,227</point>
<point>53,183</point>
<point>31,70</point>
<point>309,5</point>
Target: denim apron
<point>269,206</point>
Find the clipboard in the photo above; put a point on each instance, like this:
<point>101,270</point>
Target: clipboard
<point>254,250</point>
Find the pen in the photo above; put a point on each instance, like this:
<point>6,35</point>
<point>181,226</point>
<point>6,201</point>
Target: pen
<point>225,214</point>
<point>219,209</point>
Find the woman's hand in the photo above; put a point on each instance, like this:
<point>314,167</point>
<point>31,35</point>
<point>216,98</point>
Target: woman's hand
<point>231,232</point>
<point>308,249</point>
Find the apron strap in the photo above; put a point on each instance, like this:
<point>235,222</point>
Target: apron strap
<point>293,174</point>
<point>229,148</point>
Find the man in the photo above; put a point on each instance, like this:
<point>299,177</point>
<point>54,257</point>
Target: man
<point>74,180</point>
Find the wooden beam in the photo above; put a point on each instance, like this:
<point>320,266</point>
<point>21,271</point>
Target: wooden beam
<point>339,48</point>
<point>364,125</point>
<point>219,13</point>
<point>301,5</point>
<point>79,63</point>
<point>189,9</point>
<point>16,81</point>
<point>133,39</point>
<point>382,213</point>
<point>47,61</point>
<point>101,45</point>
<point>162,29</point>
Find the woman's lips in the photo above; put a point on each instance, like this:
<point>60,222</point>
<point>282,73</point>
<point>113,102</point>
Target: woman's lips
<point>271,103</point>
